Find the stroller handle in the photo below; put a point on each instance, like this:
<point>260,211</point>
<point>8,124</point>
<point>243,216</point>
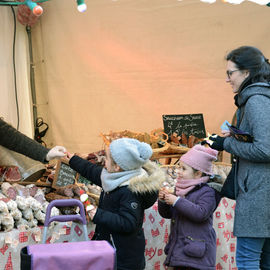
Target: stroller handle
<point>62,218</point>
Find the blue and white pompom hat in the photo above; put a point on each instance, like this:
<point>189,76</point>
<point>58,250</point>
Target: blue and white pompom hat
<point>130,154</point>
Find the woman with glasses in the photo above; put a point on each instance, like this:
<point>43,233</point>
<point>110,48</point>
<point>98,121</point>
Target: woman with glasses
<point>248,72</point>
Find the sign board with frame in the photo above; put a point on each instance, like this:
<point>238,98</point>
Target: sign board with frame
<point>190,124</point>
<point>82,180</point>
<point>64,174</point>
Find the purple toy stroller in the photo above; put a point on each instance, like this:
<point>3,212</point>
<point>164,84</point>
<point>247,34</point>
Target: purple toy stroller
<point>85,255</point>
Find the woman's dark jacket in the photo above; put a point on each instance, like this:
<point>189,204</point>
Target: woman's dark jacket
<point>119,216</point>
<point>192,240</point>
<point>18,142</point>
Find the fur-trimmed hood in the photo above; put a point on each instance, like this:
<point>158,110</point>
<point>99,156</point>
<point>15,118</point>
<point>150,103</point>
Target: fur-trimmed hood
<point>149,182</point>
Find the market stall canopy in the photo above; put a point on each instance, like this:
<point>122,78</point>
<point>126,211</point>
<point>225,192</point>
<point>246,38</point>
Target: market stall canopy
<point>123,64</point>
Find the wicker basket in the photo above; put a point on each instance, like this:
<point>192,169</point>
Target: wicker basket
<point>156,138</point>
<point>158,152</point>
<point>173,149</point>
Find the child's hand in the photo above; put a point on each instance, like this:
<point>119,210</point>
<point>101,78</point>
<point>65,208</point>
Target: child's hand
<point>69,155</point>
<point>92,212</point>
<point>170,198</point>
<point>162,193</point>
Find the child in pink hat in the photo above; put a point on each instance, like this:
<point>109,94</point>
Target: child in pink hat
<point>192,241</point>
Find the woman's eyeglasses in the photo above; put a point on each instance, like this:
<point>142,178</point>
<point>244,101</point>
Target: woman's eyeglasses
<point>230,72</point>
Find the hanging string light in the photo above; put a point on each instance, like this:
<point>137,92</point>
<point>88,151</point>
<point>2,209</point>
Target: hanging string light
<point>81,6</point>
<point>25,16</point>
<point>37,10</point>
<point>236,2</point>
<point>260,2</point>
<point>34,7</point>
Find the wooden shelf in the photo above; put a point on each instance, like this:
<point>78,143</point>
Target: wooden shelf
<point>37,183</point>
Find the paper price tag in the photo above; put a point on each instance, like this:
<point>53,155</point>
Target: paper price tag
<point>8,239</point>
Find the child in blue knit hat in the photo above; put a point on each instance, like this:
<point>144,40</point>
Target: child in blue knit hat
<point>130,183</point>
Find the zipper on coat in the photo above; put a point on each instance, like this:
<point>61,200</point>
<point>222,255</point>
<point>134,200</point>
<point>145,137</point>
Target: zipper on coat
<point>194,239</point>
<point>111,238</point>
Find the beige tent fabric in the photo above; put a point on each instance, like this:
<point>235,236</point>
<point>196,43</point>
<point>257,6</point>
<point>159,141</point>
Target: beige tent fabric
<point>123,64</point>
<point>8,108</point>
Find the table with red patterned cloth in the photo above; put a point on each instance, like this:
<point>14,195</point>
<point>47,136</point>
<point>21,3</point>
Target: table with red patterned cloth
<point>156,230</point>
<point>12,242</point>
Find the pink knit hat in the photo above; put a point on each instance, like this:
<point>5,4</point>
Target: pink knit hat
<point>200,158</point>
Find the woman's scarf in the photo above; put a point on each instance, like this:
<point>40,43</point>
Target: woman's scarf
<point>111,181</point>
<point>236,100</point>
<point>184,186</point>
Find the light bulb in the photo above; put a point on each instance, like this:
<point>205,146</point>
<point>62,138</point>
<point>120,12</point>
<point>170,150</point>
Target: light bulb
<point>36,9</point>
<point>81,6</point>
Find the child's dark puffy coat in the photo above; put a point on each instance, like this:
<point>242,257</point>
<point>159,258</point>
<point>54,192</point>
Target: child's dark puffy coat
<point>119,217</point>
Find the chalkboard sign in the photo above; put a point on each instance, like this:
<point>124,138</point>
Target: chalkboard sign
<point>64,175</point>
<point>190,124</point>
<point>82,180</point>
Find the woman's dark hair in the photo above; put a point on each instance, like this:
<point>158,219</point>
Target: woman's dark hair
<point>251,59</point>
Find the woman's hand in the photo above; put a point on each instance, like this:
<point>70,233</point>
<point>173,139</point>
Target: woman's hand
<point>215,142</point>
<point>225,133</point>
<point>56,152</point>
